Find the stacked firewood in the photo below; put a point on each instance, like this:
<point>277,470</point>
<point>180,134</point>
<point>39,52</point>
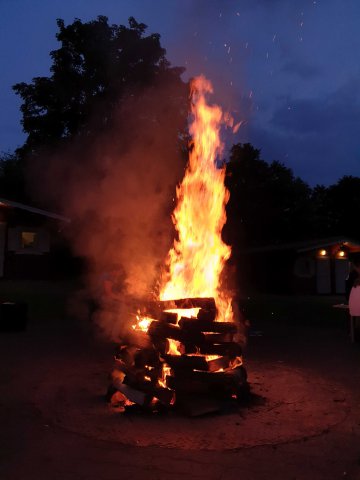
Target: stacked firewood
<point>192,362</point>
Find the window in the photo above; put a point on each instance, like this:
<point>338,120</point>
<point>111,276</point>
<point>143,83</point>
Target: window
<point>28,239</point>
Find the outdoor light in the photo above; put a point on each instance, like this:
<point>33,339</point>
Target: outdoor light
<point>341,253</point>
<point>323,253</point>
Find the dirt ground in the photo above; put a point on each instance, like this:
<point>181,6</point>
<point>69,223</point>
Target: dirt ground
<point>54,423</point>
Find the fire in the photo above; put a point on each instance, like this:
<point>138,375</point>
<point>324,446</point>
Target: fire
<point>184,312</point>
<point>142,323</point>
<point>174,347</point>
<point>198,256</point>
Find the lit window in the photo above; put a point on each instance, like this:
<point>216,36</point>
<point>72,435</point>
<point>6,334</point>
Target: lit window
<point>28,239</point>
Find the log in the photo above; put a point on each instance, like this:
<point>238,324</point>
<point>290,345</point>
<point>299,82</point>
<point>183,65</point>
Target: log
<point>132,394</point>
<point>186,362</point>
<point>168,317</point>
<point>229,380</point>
<point>159,330</point>
<point>204,325</point>
<point>218,363</point>
<point>180,385</point>
<point>208,315</point>
<point>205,303</point>
<point>218,337</point>
<point>146,357</point>
<point>230,349</point>
<point>126,354</point>
<point>164,395</point>
<point>136,376</point>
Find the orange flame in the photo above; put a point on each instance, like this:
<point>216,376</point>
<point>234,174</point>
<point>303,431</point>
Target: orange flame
<point>142,323</point>
<point>198,256</point>
<point>174,347</point>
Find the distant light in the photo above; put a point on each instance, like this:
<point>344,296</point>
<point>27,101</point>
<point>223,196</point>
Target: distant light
<point>341,253</point>
<point>323,253</point>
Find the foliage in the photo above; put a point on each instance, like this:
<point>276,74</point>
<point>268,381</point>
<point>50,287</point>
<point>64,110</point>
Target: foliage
<point>12,179</point>
<point>96,67</point>
<point>268,204</point>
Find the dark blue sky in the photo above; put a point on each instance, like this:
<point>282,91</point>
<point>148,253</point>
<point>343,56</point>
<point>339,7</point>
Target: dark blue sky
<point>289,69</point>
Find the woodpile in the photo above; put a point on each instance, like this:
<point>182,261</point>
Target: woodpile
<point>192,363</point>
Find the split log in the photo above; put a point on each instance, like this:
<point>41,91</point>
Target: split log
<point>164,395</point>
<point>208,315</point>
<point>204,325</point>
<point>126,354</point>
<point>168,317</point>
<point>205,303</point>
<point>132,394</point>
<point>218,363</point>
<point>185,385</point>
<point>230,349</point>
<point>159,330</point>
<point>216,381</point>
<point>186,362</point>
<point>146,357</point>
<point>218,337</point>
<point>138,376</point>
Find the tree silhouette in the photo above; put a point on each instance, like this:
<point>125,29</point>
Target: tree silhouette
<point>268,204</point>
<point>96,67</point>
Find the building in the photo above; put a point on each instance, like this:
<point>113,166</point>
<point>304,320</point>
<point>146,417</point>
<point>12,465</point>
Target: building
<point>28,238</point>
<point>317,266</point>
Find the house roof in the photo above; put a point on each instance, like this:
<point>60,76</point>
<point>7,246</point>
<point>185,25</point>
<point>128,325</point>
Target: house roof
<point>306,245</point>
<point>9,203</point>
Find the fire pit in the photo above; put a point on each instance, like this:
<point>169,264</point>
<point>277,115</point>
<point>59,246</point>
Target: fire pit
<point>186,349</point>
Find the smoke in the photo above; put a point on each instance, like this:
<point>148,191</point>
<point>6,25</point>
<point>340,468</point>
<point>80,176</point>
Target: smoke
<point>118,190</point>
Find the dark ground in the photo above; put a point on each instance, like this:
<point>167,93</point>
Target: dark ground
<point>35,443</point>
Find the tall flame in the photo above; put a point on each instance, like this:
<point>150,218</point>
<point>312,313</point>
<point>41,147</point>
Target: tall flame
<point>198,256</point>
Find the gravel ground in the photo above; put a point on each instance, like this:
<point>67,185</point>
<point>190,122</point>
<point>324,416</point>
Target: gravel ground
<point>55,425</point>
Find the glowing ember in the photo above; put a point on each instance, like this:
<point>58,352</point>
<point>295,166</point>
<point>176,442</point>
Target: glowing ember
<point>198,256</point>
<point>166,371</point>
<point>143,323</point>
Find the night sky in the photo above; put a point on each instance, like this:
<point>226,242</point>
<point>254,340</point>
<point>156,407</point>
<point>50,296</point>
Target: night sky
<point>290,70</point>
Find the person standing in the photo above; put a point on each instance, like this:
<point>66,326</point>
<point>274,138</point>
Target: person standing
<point>353,285</point>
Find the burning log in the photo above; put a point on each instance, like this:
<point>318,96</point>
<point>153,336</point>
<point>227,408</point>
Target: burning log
<point>168,317</point>
<point>218,337</point>
<point>186,362</point>
<point>231,349</point>
<point>184,303</point>
<point>136,396</point>
<point>218,363</point>
<point>204,325</point>
<point>164,330</point>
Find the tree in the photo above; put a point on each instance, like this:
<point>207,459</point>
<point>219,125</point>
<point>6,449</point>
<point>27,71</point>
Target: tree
<point>96,67</point>
<point>268,204</point>
<point>12,178</point>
